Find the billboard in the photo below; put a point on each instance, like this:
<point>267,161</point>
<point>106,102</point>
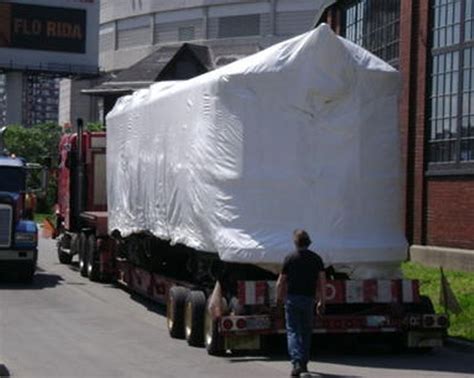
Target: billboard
<point>49,35</point>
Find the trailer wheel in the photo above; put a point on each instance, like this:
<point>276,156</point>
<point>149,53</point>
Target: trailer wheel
<point>194,318</point>
<point>74,245</point>
<point>64,257</point>
<point>82,249</point>
<point>213,342</point>
<point>93,263</point>
<point>175,311</point>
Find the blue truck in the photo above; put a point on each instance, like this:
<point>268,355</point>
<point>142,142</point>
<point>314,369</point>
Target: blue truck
<point>18,232</point>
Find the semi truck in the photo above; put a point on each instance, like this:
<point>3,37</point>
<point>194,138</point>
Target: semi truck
<point>190,196</point>
<point>18,231</point>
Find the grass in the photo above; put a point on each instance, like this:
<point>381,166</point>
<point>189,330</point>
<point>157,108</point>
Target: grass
<point>462,284</point>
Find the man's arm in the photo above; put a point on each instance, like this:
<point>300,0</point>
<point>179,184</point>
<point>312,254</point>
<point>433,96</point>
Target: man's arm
<point>321,307</point>
<point>281,288</point>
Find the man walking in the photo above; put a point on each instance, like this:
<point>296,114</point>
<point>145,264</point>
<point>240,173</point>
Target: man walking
<point>302,277</point>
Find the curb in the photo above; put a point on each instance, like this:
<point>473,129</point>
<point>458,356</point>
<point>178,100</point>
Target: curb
<point>458,344</point>
<point>4,371</point>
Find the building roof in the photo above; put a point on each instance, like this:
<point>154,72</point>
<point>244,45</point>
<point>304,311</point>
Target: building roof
<point>159,65</point>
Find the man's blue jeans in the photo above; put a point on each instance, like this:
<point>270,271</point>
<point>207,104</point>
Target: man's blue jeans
<point>299,310</point>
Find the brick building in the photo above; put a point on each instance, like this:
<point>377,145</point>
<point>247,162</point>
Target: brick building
<point>431,42</point>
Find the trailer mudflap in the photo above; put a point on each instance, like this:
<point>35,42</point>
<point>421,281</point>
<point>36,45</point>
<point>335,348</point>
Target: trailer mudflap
<point>243,342</point>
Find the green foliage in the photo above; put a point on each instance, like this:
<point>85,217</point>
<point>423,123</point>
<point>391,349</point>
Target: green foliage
<point>95,126</point>
<point>40,217</point>
<point>462,284</point>
<point>37,144</point>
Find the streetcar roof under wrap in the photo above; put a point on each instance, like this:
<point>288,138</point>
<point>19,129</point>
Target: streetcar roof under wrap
<point>303,134</point>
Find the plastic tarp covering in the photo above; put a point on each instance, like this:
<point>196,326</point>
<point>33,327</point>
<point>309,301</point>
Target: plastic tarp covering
<point>303,134</point>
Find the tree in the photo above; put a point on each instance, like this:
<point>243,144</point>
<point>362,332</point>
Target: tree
<point>37,144</point>
<point>95,126</point>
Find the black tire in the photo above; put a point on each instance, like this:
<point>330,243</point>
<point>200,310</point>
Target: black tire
<point>194,318</point>
<point>93,263</point>
<point>75,245</point>
<point>83,258</point>
<point>64,242</point>
<point>64,258</point>
<point>175,311</point>
<point>213,342</point>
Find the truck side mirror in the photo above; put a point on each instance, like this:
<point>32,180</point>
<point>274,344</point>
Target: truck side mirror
<point>44,180</point>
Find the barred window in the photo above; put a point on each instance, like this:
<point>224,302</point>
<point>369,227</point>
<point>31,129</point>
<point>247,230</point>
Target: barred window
<point>186,33</point>
<point>467,121</point>
<point>133,31</point>
<point>444,106</point>
<point>451,120</point>
<point>3,101</point>
<point>239,26</point>
<point>374,25</point>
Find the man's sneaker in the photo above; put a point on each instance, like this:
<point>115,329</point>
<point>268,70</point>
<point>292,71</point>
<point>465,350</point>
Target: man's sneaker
<point>297,370</point>
<point>304,367</point>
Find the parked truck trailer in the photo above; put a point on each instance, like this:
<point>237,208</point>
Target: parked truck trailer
<point>207,178</point>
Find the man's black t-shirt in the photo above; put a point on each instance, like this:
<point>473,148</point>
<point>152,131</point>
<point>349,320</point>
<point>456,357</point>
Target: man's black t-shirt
<point>302,270</point>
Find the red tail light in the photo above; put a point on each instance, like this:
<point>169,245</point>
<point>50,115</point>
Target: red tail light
<point>241,323</point>
<point>429,320</point>
<point>442,321</point>
<point>227,324</point>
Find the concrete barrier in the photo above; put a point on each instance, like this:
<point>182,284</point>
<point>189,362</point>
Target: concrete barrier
<point>448,258</point>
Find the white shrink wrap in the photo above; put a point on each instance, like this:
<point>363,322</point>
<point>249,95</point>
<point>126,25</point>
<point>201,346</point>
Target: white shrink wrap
<point>301,135</point>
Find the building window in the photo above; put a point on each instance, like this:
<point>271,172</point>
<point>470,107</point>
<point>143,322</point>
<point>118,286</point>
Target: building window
<point>133,31</point>
<point>451,121</point>
<point>374,25</point>
<point>186,33</point>
<point>3,101</point>
<point>239,26</point>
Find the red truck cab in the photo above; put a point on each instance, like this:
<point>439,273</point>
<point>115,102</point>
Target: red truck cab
<point>82,188</point>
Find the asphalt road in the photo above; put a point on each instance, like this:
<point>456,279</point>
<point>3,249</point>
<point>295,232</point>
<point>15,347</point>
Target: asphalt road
<point>66,326</point>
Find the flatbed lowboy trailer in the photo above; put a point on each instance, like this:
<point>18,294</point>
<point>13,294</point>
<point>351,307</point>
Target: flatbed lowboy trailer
<point>200,194</point>
<point>393,307</point>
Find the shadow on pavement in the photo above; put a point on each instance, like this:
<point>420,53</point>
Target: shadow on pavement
<point>313,374</point>
<point>148,303</point>
<point>41,280</point>
<point>4,371</point>
<point>74,266</point>
<point>432,361</point>
<point>375,352</point>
